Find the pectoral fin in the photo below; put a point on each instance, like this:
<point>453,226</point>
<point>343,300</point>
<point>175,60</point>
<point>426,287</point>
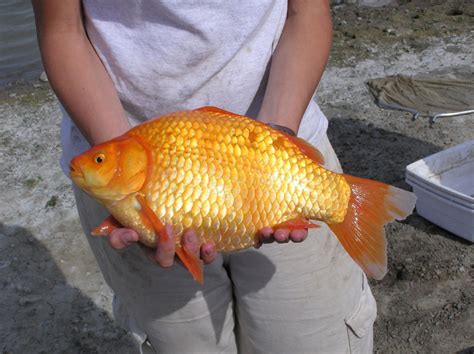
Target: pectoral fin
<point>190,261</point>
<point>151,220</point>
<point>106,227</point>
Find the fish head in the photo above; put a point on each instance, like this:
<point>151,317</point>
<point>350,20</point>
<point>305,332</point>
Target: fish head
<point>112,170</point>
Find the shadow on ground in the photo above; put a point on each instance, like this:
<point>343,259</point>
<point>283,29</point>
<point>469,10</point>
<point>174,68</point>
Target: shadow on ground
<point>61,318</point>
<point>376,153</point>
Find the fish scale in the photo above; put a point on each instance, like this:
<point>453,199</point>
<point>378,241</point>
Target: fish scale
<point>250,180</point>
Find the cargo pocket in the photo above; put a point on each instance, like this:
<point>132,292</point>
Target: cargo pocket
<point>147,347</point>
<point>128,323</point>
<point>360,322</point>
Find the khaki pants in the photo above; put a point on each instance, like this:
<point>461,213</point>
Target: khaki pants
<point>307,297</point>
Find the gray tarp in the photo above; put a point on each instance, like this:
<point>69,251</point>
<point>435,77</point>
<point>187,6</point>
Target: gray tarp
<point>427,96</point>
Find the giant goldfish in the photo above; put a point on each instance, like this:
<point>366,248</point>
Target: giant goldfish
<point>228,176</point>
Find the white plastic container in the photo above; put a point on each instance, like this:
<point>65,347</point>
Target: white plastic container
<point>444,186</point>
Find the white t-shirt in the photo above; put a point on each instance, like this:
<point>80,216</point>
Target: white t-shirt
<point>165,56</point>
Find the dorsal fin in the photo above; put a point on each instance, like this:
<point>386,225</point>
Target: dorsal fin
<point>307,149</point>
<point>215,110</point>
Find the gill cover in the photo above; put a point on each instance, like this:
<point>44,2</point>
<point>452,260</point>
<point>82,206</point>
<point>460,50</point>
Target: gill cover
<point>112,170</point>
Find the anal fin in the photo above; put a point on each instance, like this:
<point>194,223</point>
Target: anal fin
<point>296,224</point>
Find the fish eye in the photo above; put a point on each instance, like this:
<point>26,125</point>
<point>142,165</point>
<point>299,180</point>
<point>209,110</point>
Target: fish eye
<point>99,158</point>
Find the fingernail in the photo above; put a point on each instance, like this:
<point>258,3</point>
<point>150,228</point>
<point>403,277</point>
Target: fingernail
<point>166,263</point>
<point>190,238</point>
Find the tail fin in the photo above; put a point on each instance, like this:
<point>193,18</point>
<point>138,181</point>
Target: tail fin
<point>372,205</point>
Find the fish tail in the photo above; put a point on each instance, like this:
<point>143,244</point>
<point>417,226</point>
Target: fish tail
<point>372,205</point>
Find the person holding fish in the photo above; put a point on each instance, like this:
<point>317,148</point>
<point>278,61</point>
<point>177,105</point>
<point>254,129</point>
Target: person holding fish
<point>116,64</point>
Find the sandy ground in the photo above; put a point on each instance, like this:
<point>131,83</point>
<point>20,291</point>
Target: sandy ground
<point>53,298</point>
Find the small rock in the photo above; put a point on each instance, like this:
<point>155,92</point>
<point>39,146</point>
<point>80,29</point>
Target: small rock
<point>52,202</point>
<point>23,289</point>
<point>12,95</point>
<point>109,335</point>
<point>36,85</point>
<point>373,3</point>
<point>402,275</point>
<point>4,264</point>
<point>29,299</point>
<point>43,77</point>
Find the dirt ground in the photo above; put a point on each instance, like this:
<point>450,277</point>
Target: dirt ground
<point>53,298</point>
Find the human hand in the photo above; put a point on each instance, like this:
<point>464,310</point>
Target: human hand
<point>164,253</point>
<point>268,235</point>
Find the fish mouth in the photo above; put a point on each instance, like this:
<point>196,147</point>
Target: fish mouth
<point>74,172</point>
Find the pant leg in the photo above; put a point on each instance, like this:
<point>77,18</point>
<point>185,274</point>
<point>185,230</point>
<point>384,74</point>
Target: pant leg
<point>307,297</point>
<point>164,306</point>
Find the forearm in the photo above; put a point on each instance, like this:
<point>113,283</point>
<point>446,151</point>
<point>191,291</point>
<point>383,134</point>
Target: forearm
<point>76,73</point>
<point>298,63</point>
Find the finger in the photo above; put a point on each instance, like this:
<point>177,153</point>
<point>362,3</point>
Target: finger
<point>190,242</point>
<point>208,252</point>
<point>121,238</point>
<point>166,249</point>
<point>298,235</point>
<point>259,240</point>
<point>281,235</point>
<point>266,233</point>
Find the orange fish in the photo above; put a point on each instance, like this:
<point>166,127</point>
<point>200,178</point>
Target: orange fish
<point>227,177</point>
